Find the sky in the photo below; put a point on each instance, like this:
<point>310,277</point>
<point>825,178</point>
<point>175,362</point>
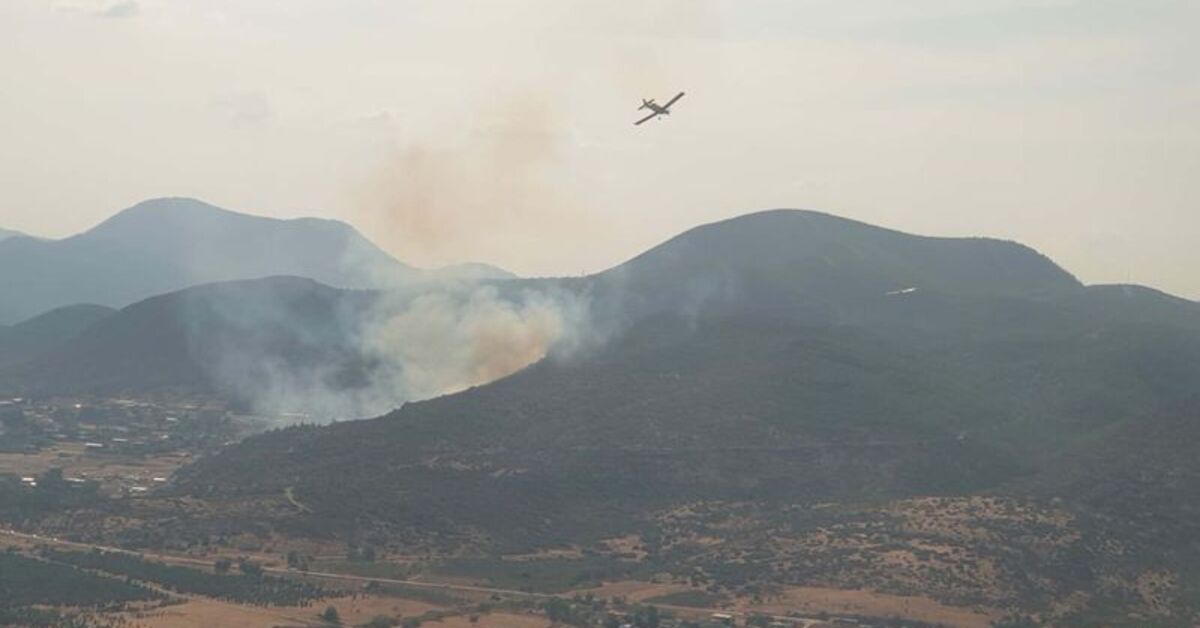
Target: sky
<point>456,130</point>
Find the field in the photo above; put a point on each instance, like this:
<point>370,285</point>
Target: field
<point>203,613</point>
<point>554,575</point>
<point>115,472</point>
<point>23,583</point>
<point>175,592</point>
<point>618,582</point>
<point>818,601</point>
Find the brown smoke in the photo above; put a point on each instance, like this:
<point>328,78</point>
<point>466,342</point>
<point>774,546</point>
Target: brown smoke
<point>490,196</point>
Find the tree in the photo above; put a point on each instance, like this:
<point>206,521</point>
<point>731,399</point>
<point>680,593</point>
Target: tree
<point>646,617</point>
<point>296,561</point>
<point>331,615</point>
<point>52,480</point>
<point>222,565</point>
<point>558,610</point>
<point>249,567</point>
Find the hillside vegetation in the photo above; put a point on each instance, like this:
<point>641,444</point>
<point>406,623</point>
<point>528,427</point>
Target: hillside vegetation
<point>785,398</point>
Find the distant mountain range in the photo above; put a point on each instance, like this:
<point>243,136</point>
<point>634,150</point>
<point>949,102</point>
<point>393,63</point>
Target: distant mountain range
<point>790,268</point>
<point>167,244</point>
<point>8,233</point>
<point>814,374</point>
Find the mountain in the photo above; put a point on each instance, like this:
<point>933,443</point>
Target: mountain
<point>9,233</point>
<point>167,244</point>
<point>794,265</point>
<point>201,338</point>
<point>31,338</point>
<point>811,264</point>
<point>776,334</point>
<point>952,300</point>
<point>784,398</point>
<point>678,410</point>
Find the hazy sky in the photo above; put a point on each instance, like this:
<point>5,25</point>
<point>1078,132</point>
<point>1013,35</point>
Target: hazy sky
<point>501,131</point>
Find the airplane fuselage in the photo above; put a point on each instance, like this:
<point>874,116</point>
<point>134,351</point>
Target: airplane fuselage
<point>655,107</point>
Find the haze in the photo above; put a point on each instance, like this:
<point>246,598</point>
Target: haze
<point>501,132</point>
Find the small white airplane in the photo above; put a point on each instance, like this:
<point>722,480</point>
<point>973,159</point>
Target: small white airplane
<point>657,109</point>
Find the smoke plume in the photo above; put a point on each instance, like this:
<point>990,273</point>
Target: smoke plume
<point>497,192</point>
<point>318,354</point>
<point>445,341</point>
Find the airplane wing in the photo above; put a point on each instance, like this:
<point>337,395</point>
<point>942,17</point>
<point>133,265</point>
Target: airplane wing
<point>646,118</point>
<point>672,101</point>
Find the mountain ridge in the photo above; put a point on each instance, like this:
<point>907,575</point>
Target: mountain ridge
<point>166,244</point>
<point>788,399</point>
<point>808,269</point>
<point>813,264</point>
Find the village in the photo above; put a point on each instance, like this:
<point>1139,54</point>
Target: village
<point>125,446</point>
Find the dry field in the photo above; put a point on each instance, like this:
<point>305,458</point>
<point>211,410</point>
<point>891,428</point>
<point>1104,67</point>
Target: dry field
<point>634,590</point>
<point>201,612</point>
<point>492,620</point>
<point>814,600</point>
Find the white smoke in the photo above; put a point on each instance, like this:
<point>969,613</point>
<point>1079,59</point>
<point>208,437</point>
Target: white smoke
<point>447,341</point>
<point>374,354</point>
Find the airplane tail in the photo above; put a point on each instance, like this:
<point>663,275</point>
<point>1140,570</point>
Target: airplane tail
<point>645,104</point>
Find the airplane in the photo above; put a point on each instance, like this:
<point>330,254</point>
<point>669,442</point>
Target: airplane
<point>657,109</point>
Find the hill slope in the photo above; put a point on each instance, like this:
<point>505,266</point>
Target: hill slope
<point>906,356</point>
<point>817,266</point>
<point>31,338</point>
<point>229,336</point>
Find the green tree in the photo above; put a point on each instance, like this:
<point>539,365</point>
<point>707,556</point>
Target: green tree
<point>249,567</point>
<point>646,617</point>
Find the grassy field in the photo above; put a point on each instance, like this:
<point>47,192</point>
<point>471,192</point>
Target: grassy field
<point>695,597</point>
<point>542,576</point>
